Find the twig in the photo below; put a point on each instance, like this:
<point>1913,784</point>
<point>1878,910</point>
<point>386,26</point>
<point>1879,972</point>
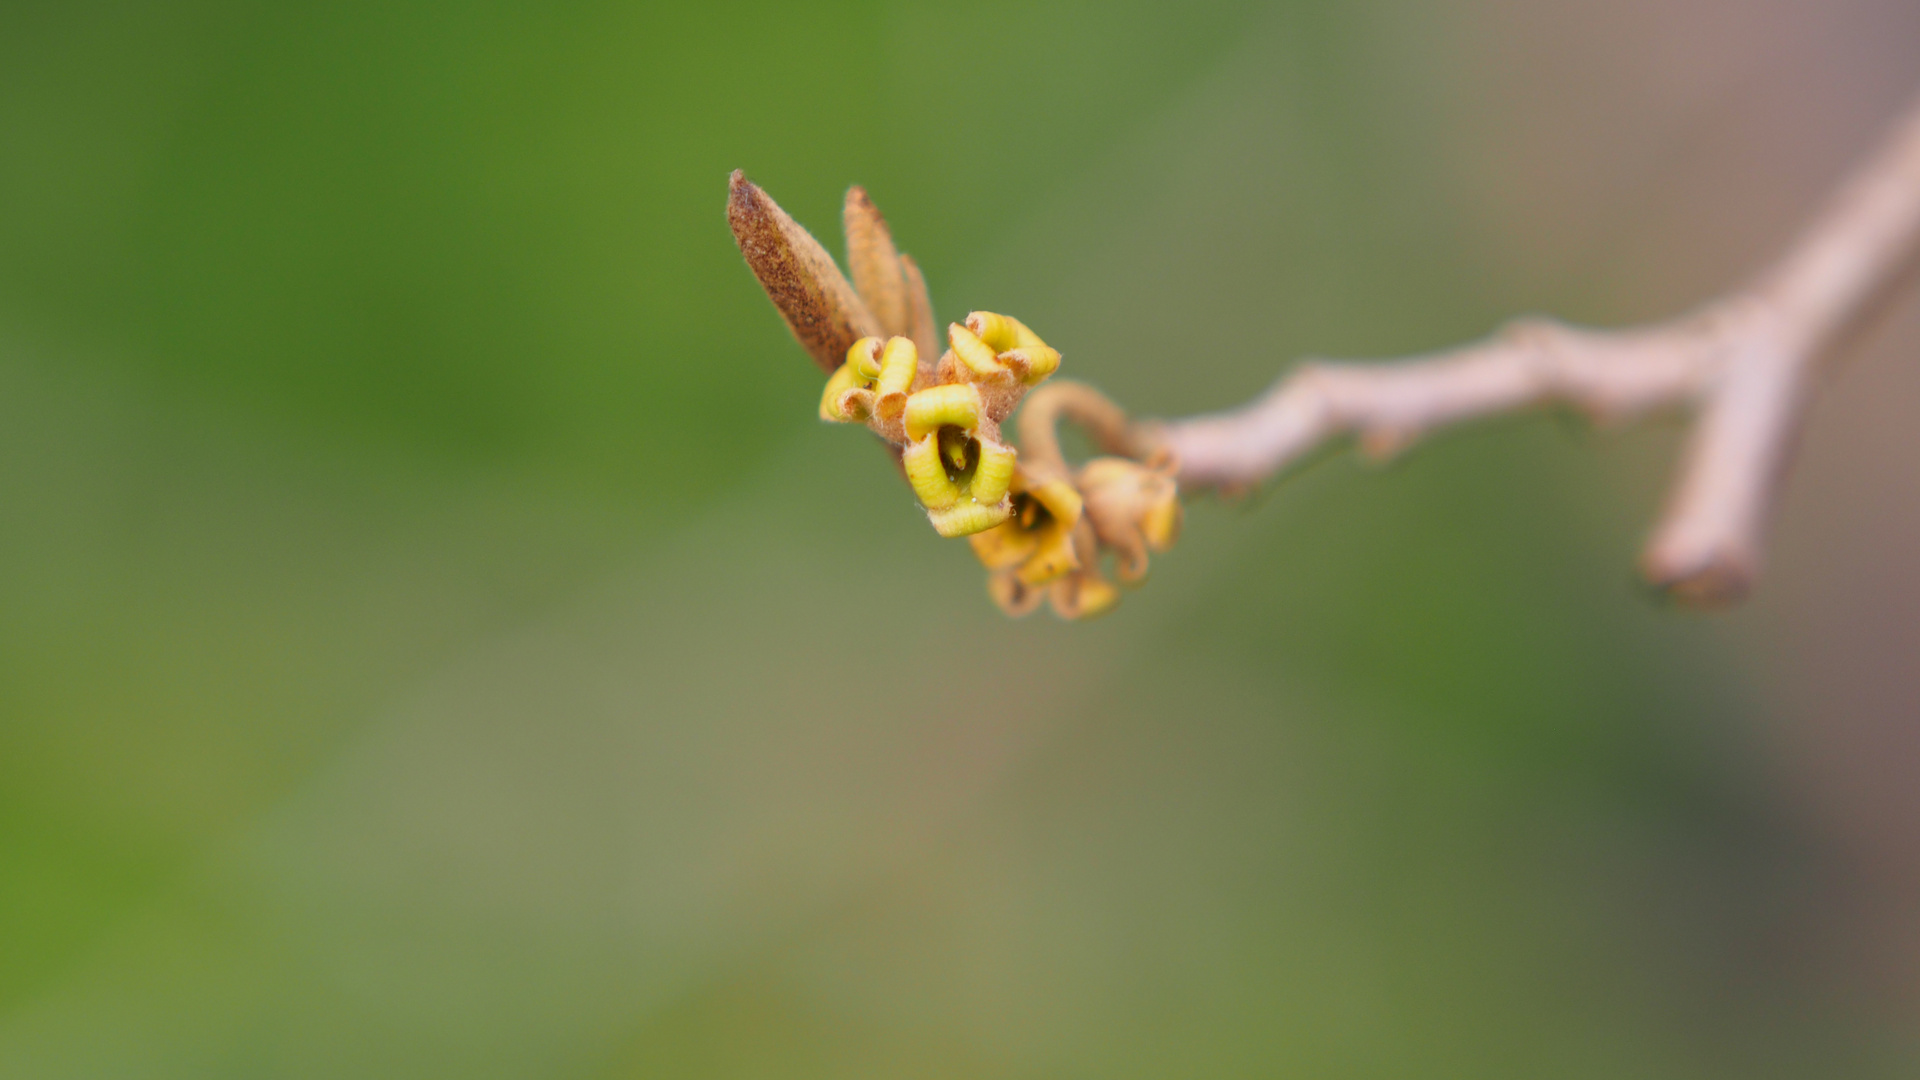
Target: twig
<point>1090,410</point>
<point>1746,362</point>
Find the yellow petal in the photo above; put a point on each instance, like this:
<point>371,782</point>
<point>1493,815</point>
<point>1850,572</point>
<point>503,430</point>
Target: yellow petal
<point>1161,523</point>
<point>864,358</point>
<point>972,352</point>
<point>1040,362</point>
<point>928,474</point>
<point>1082,596</point>
<point>898,362</point>
<point>1003,546</point>
<point>1003,332</point>
<point>1053,555</point>
<point>1014,597</point>
<point>994,474</point>
<point>997,331</point>
<point>957,404</point>
<point>843,380</point>
<point>1060,499</point>
<point>967,518</point>
<point>855,404</point>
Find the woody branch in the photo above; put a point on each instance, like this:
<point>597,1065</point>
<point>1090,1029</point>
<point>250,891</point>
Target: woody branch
<point>1745,363</point>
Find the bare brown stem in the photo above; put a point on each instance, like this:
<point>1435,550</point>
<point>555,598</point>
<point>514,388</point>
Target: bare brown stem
<point>1745,362</point>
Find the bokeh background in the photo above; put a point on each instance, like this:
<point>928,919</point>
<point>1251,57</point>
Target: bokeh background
<point>437,639</point>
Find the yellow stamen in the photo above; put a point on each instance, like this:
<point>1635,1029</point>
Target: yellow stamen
<point>953,447</point>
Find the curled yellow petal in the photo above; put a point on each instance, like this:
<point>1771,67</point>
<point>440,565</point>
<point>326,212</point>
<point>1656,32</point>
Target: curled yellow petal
<point>967,518</point>
<point>994,474</point>
<point>1060,499</point>
<point>1082,596</point>
<point>864,358</point>
<point>998,331</point>
<point>1161,523</point>
<point>843,380</point>
<point>928,474</point>
<point>972,352</point>
<point>1025,338</point>
<point>1003,332</point>
<point>1053,555</point>
<point>856,405</point>
<point>1040,362</point>
<point>957,404</point>
<point>1003,546</point>
<point>898,362</point>
<point>1014,596</point>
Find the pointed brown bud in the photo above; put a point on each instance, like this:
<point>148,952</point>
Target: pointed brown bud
<point>920,324</point>
<point>875,262</point>
<point>822,309</point>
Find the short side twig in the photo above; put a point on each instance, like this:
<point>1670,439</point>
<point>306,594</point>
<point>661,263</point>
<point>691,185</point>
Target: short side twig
<point>1090,410</point>
<point>1745,362</point>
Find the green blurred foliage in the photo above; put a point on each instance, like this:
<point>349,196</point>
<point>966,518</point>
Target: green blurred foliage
<point>437,639</point>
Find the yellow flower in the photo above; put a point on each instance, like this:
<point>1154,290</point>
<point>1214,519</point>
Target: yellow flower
<point>1045,548</point>
<point>1036,542</point>
<point>955,461</point>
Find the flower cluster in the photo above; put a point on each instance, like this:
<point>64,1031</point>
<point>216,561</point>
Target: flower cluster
<point>945,417</point>
<point>1040,527</point>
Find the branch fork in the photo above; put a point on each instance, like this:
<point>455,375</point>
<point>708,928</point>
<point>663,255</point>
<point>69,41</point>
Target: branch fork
<point>1746,364</point>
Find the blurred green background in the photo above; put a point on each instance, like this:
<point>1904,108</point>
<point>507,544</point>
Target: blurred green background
<point>437,639</point>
